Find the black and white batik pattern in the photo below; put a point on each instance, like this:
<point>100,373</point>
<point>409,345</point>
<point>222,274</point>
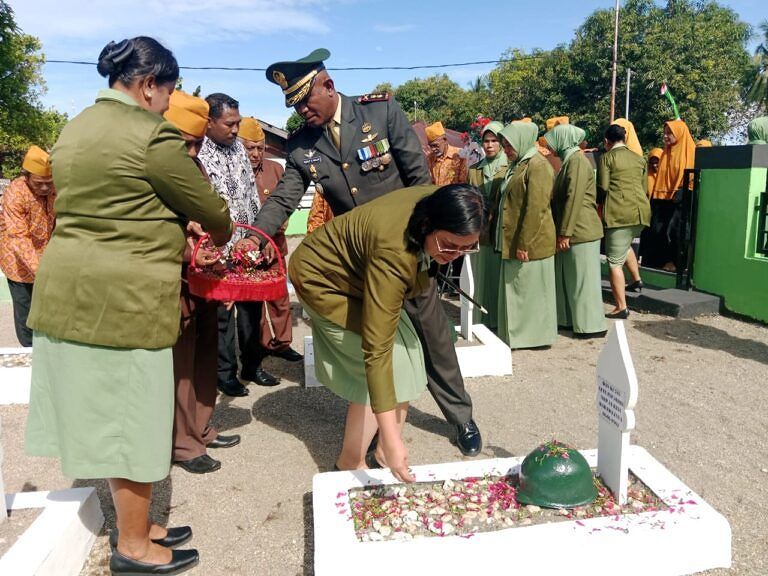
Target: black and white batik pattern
<point>232,176</point>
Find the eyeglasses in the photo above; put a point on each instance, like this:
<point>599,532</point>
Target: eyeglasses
<point>470,250</point>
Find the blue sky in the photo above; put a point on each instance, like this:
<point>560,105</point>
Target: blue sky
<point>255,33</point>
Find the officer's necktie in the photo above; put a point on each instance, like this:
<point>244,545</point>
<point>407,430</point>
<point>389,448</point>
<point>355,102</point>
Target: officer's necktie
<point>334,133</point>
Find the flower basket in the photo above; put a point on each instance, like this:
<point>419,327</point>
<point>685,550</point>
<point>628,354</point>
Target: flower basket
<point>238,277</point>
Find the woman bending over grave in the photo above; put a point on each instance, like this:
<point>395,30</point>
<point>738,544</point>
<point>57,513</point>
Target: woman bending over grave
<point>353,276</point>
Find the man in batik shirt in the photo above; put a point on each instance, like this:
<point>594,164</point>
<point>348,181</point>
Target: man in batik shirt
<point>226,162</point>
<point>446,165</point>
<point>28,220</point>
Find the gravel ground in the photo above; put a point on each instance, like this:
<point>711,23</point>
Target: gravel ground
<point>701,411</point>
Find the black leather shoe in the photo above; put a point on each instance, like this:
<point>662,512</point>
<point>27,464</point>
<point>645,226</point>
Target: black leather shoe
<point>199,465</point>
<point>224,441</point>
<point>468,439</point>
<point>261,377</point>
<point>288,354</point>
<point>620,315</point>
<point>233,389</point>
<point>588,335</point>
<point>175,537</point>
<point>636,286</point>
<point>181,561</point>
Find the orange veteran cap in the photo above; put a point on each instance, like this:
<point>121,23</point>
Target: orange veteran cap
<point>188,113</point>
<point>37,162</point>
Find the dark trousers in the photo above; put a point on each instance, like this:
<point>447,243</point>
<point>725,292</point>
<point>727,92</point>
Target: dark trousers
<point>276,321</point>
<point>444,379</point>
<point>194,370</point>
<point>247,326</point>
<point>21,294</point>
<point>658,242</point>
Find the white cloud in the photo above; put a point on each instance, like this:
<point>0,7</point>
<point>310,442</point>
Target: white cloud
<point>178,23</point>
<point>394,28</point>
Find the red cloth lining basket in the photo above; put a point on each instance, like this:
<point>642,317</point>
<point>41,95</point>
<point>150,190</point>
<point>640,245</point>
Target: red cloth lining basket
<point>204,285</point>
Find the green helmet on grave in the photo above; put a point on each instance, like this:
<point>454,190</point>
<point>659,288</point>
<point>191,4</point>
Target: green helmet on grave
<point>556,475</point>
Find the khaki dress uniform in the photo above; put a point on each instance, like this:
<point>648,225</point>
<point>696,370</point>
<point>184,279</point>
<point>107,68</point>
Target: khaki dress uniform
<point>621,185</point>
<point>353,276</point>
<point>486,264</point>
<point>106,307</point>
<point>527,315</point>
<point>577,270</point>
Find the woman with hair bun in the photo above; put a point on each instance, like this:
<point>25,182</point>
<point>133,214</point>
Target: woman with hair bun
<point>353,276</point>
<point>105,309</point>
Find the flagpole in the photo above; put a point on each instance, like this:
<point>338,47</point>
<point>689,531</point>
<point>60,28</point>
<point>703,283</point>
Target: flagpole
<point>615,54</point>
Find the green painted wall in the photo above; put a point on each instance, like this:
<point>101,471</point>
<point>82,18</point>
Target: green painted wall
<point>725,262</point>
<point>297,223</point>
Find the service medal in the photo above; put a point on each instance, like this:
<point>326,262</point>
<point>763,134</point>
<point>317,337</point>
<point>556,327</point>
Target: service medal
<point>375,162</point>
<point>366,166</point>
<point>385,158</point>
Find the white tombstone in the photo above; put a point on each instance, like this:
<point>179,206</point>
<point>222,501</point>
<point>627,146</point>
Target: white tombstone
<point>3,507</point>
<point>467,283</point>
<point>616,399</point>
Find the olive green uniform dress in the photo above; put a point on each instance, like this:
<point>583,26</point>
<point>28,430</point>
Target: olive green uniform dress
<point>488,176</point>
<point>105,309</point>
<point>353,276</point>
<point>621,185</point>
<point>527,315</point>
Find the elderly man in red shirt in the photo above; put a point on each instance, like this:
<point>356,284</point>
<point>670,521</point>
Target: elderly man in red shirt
<point>27,224</point>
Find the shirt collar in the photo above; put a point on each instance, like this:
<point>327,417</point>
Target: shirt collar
<point>112,94</point>
<point>336,115</point>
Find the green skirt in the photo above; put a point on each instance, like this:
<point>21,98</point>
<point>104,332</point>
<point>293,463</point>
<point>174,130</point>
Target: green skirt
<point>579,288</point>
<point>617,243</point>
<point>527,316</point>
<point>105,412</point>
<point>340,366</point>
<point>486,270</point>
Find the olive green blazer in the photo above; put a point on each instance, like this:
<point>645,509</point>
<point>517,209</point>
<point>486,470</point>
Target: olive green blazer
<point>356,272</point>
<point>111,274</point>
<point>621,185</point>
<point>526,215</point>
<point>475,178</point>
<point>574,201</point>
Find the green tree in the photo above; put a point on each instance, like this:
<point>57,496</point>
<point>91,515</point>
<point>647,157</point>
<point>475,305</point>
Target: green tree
<point>440,98</point>
<point>696,46</point>
<point>758,90</point>
<point>294,122</point>
<point>23,120</point>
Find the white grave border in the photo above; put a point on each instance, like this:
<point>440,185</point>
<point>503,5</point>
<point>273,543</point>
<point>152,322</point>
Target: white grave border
<point>60,539</point>
<point>688,537</point>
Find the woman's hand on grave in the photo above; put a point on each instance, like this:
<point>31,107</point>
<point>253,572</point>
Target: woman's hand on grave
<point>396,455</point>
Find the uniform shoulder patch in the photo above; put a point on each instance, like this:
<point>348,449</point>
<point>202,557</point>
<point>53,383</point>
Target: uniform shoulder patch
<point>373,97</point>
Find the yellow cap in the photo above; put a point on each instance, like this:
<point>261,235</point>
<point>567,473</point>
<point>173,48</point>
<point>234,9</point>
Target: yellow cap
<point>37,162</point>
<point>434,131</point>
<point>703,143</point>
<point>552,122</point>
<point>188,113</point>
<point>250,129</point>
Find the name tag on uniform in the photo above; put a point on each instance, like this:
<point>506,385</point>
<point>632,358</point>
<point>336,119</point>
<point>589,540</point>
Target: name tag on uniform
<point>312,157</point>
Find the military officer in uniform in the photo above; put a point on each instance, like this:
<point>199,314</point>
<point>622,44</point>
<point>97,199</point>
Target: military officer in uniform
<point>355,150</point>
